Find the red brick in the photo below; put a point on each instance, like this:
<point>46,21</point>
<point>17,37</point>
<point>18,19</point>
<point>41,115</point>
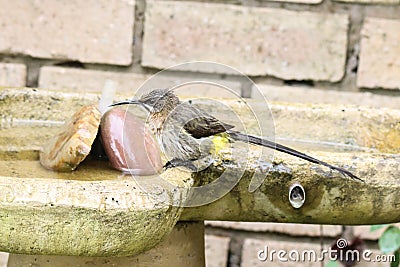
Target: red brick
<point>12,74</point>
<point>256,41</point>
<point>88,31</point>
<point>380,54</point>
<point>3,259</point>
<point>216,250</point>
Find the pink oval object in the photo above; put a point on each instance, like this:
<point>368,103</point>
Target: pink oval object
<point>128,143</point>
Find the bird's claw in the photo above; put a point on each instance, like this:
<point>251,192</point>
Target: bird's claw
<point>178,162</point>
<point>168,165</point>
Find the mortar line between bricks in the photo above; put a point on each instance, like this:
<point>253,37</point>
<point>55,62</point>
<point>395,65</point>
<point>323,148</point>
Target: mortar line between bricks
<point>235,250</point>
<point>138,31</point>
<point>353,48</point>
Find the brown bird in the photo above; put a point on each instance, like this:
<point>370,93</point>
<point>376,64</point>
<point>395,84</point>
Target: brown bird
<point>179,126</point>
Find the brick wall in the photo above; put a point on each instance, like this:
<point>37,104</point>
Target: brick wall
<point>330,51</point>
<point>341,45</point>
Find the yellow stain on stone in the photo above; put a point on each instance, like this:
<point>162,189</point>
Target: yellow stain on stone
<point>385,140</point>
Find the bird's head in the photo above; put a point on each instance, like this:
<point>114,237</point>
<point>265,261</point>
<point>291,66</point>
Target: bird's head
<point>158,100</point>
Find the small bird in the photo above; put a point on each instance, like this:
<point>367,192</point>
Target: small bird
<point>178,127</point>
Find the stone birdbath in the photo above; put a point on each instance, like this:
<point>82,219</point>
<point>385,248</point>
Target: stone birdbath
<point>97,211</point>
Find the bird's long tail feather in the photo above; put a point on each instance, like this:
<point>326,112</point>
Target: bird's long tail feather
<point>238,136</point>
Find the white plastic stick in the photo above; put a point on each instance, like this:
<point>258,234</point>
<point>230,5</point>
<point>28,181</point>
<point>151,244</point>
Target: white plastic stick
<point>107,96</point>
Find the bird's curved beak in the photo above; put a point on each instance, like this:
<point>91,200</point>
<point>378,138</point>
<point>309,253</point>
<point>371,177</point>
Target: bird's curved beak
<point>130,102</point>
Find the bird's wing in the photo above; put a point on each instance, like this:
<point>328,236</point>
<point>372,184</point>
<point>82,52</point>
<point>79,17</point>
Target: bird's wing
<point>202,124</point>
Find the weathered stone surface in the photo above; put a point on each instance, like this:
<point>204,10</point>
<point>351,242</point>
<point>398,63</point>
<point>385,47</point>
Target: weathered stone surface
<point>296,94</point>
<point>12,74</point>
<point>287,228</point>
<point>92,212</point>
<point>270,203</point>
<point>87,31</point>
<point>352,202</point>
<point>358,129</point>
<point>380,54</point>
<point>277,37</point>
<point>81,80</point>
<point>183,247</point>
<point>251,248</point>
<point>216,250</point>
